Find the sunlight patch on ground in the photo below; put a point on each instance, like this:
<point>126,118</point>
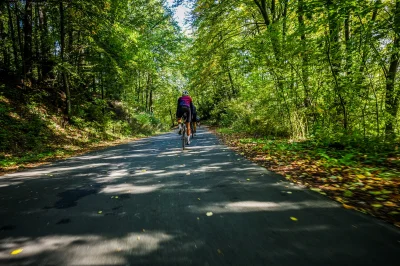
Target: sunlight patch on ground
<point>140,155</point>
<point>6,183</point>
<point>51,170</point>
<point>129,189</point>
<point>254,206</point>
<point>89,249</point>
<point>207,148</point>
<point>148,172</point>
<point>171,173</point>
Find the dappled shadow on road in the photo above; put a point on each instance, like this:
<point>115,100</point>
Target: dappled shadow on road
<point>146,203</point>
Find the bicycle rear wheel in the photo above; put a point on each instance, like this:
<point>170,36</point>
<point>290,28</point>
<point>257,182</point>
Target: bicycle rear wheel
<point>183,137</point>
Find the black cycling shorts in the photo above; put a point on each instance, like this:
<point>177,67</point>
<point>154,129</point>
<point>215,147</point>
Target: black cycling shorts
<point>182,110</point>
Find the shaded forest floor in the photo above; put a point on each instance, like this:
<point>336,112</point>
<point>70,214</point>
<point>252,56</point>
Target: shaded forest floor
<point>63,149</point>
<point>368,182</point>
<point>34,132</point>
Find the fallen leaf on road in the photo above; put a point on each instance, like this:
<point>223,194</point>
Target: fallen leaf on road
<point>349,207</point>
<point>220,252</point>
<point>289,192</point>
<point>389,204</point>
<point>198,198</point>
<point>348,193</point>
<point>293,218</point>
<point>198,218</point>
<point>209,213</point>
<point>144,170</point>
<point>248,179</point>
<point>376,205</point>
<point>17,251</point>
<point>143,230</point>
<point>100,212</point>
<point>116,197</point>
<point>187,173</point>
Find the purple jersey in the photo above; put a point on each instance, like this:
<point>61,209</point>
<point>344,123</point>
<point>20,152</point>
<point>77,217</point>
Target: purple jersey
<point>185,101</point>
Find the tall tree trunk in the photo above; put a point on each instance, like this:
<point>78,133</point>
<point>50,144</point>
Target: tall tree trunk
<point>14,41</point>
<point>37,43</point>
<point>147,91</point>
<point>62,49</point>
<point>44,43</point>
<point>304,54</point>
<point>21,47</point>
<point>28,38</point>
<point>334,30</point>
<point>234,92</point>
<point>4,46</point>
<point>392,95</point>
<point>138,87</point>
<point>334,57</point>
<point>348,43</point>
<point>151,100</point>
<point>367,38</point>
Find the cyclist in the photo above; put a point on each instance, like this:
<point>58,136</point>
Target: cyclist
<point>185,105</point>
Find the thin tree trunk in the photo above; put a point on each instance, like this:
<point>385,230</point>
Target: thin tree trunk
<point>4,46</point>
<point>392,97</point>
<point>304,56</point>
<point>138,88</point>
<point>234,92</point>
<point>14,41</point>
<point>21,47</point>
<point>151,100</point>
<point>64,74</point>
<point>28,38</point>
<point>45,48</point>
<point>348,43</point>
<point>147,92</point>
<point>36,42</point>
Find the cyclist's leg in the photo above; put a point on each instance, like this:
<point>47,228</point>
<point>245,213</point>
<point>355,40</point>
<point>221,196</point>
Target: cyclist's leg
<point>186,110</point>
<point>189,119</point>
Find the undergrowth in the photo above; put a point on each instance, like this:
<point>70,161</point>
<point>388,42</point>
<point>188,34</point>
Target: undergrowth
<point>32,133</point>
<point>367,180</point>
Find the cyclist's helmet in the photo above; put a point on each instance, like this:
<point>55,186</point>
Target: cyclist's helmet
<point>185,93</point>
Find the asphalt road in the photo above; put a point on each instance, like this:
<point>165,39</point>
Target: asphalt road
<point>146,203</point>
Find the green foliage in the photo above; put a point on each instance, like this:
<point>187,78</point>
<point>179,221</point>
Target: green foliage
<point>76,72</point>
<point>308,69</point>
